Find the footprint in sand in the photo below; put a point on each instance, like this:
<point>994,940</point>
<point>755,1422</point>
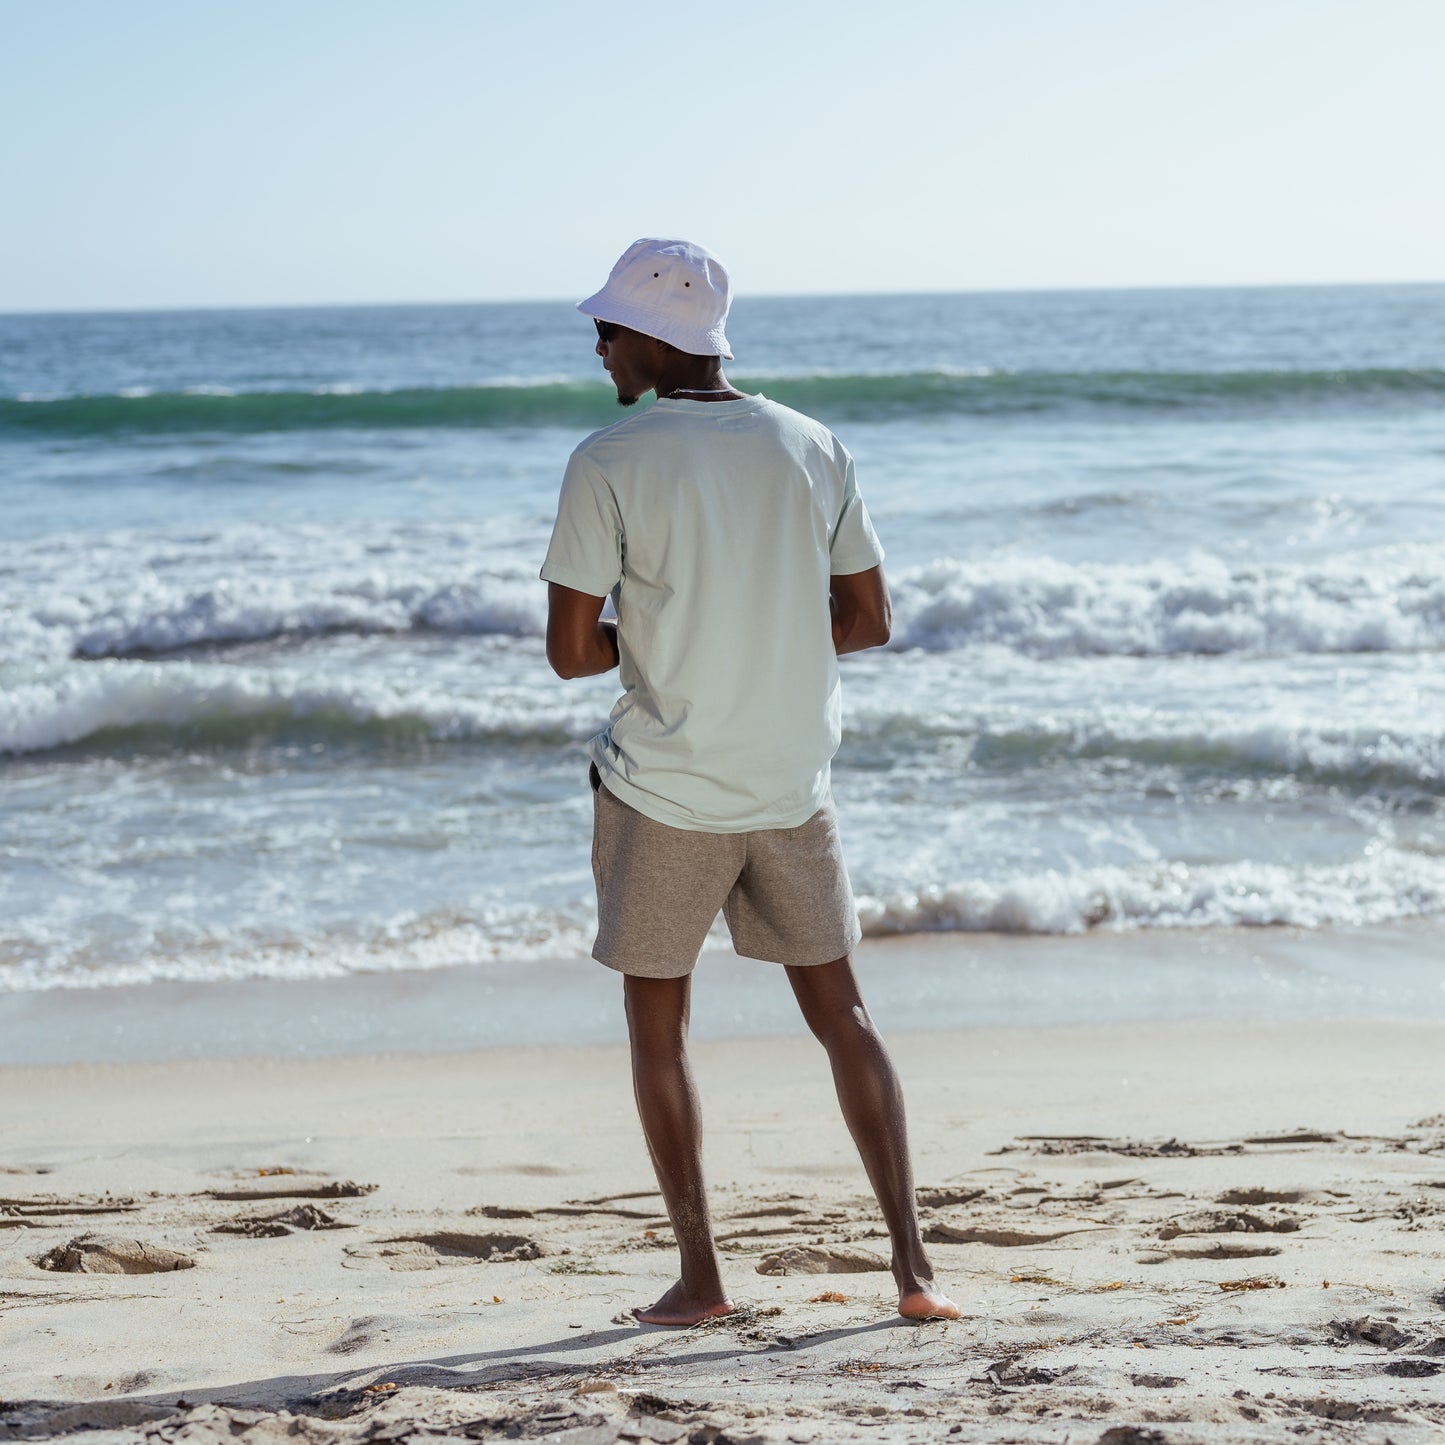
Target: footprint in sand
<point>19,1213</point>
<point>821,1259</point>
<point>573,1209</point>
<point>433,1251</point>
<point>361,1332</point>
<point>944,1196</point>
<point>1050,1144</point>
<point>1369,1331</point>
<point>1002,1237</point>
<point>770,1211</point>
<point>1258,1196</point>
<point>1218,1221</point>
<point>256,1193</point>
<point>112,1254</point>
<point>1388,1336</point>
<point>619,1198</point>
<point>1400,1369</point>
<point>1219,1249</point>
<point>1010,1371</point>
<point>788,1220</point>
<point>273,1226</point>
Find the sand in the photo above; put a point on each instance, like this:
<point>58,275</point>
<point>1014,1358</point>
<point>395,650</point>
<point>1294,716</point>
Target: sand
<point>1206,1231</point>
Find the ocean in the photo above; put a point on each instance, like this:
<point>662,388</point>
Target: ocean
<point>1168,572</point>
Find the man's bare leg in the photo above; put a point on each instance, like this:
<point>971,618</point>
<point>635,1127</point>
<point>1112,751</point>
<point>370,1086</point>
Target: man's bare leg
<point>872,1103</point>
<point>657,1018</point>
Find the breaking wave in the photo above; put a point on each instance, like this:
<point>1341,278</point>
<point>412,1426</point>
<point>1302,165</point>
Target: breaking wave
<point>1388,885</point>
<point>162,619</point>
<point>119,704</point>
<point>855,396</point>
<point>1390,600</point>
<point>1387,602</point>
<point>131,704</point>
<point>442,938</point>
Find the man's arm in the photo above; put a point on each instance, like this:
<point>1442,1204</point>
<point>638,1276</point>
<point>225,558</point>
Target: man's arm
<point>862,610</point>
<point>578,643</point>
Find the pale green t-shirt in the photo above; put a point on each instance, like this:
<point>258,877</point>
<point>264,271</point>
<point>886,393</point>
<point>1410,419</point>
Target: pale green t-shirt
<point>715,527</point>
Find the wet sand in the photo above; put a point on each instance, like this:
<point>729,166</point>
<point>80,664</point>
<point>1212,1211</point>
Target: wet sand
<point>911,982</point>
<point>1171,1231</point>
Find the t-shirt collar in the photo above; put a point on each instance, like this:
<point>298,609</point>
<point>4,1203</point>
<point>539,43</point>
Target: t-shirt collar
<point>721,408</point>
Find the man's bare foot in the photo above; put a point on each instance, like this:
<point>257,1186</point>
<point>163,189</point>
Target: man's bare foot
<point>678,1307</point>
<point>923,1300</point>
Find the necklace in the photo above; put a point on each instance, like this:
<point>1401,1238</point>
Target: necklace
<point>701,390</point>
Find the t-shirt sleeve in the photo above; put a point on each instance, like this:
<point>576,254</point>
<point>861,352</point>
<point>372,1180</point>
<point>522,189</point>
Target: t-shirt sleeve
<point>854,546</point>
<point>585,553</point>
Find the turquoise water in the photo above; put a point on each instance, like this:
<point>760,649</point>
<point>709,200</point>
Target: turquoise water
<point>1169,580</point>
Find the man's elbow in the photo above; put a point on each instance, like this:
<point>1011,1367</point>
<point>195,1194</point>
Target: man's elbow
<point>865,633</point>
<point>880,627</point>
<point>562,662</point>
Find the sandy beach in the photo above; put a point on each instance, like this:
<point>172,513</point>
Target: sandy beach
<point>1207,1230</point>
<point>1024,474</point>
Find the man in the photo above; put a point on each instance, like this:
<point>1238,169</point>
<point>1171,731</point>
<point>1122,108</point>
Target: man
<point>740,559</point>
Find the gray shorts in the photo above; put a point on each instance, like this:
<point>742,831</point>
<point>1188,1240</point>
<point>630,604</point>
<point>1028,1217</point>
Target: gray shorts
<point>783,891</point>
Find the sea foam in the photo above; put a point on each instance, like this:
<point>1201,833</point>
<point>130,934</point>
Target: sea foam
<point>58,707</point>
<point>183,702</point>
<point>441,938</point>
<point>159,618</point>
<point>1387,885</point>
<point>1393,600</point>
<point>123,595</point>
<point>117,597</point>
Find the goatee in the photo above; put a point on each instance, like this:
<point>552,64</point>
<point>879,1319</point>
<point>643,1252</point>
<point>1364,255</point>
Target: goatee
<point>627,400</point>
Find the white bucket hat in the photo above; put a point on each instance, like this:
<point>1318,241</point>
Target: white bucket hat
<point>674,290</point>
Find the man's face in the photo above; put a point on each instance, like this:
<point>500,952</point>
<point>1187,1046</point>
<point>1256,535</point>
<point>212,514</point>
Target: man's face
<point>626,357</point>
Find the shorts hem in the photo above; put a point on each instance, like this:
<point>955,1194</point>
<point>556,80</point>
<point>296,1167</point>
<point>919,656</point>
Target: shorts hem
<point>631,970</point>
<point>810,960</point>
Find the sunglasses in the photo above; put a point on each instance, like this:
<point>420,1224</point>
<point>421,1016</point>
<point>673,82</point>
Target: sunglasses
<point>607,330</point>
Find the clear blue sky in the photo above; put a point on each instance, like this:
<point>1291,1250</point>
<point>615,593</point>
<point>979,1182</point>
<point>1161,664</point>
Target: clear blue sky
<point>213,152</point>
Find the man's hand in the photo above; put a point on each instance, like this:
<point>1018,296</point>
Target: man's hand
<point>578,643</point>
<point>862,610</point>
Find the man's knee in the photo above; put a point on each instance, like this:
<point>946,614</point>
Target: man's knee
<point>828,995</point>
<point>657,1009</point>
<point>840,1027</point>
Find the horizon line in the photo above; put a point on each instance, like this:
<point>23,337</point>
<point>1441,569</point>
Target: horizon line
<point>133,310</point>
